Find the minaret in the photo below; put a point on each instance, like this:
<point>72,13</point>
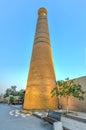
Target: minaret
<point>41,78</point>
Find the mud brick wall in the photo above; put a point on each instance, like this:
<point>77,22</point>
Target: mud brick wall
<point>75,104</point>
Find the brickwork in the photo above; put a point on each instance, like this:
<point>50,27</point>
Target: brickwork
<point>41,77</point>
<point>75,104</point>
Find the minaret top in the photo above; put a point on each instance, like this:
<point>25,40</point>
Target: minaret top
<point>42,11</point>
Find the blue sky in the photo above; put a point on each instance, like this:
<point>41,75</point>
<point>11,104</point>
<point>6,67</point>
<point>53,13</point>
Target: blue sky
<point>67,27</point>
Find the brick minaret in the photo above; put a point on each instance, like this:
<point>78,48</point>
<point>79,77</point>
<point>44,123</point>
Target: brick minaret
<point>41,78</point>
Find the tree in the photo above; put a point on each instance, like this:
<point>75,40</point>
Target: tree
<point>68,88</point>
<point>11,100</point>
<point>8,92</point>
<point>13,93</point>
<point>21,94</point>
<point>13,90</point>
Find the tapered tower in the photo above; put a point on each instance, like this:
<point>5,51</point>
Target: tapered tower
<point>41,78</point>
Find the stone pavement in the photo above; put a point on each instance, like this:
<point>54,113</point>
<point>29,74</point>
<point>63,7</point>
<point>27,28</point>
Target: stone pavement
<point>78,121</point>
<point>75,121</point>
<point>12,119</point>
<point>73,124</point>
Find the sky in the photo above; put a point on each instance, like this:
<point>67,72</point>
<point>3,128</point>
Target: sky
<point>67,28</point>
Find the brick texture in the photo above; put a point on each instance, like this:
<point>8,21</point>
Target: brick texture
<point>41,77</point>
<point>75,104</point>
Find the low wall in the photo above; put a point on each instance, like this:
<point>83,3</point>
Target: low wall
<point>74,103</point>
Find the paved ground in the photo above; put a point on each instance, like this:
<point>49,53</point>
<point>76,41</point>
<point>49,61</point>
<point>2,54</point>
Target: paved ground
<point>73,124</point>
<point>12,119</point>
<point>74,120</point>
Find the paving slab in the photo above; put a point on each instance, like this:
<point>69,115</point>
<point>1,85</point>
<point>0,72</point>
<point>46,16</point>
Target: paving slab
<point>11,119</point>
<point>73,124</point>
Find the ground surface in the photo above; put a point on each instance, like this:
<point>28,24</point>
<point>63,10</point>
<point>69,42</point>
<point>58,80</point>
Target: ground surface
<point>12,119</point>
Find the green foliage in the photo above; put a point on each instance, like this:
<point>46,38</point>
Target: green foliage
<point>8,92</point>
<point>68,88</point>
<point>11,100</point>
<point>21,94</point>
<point>12,91</point>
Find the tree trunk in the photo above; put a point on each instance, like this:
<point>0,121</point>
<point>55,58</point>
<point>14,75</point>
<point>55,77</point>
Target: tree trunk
<point>59,103</point>
<point>67,104</point>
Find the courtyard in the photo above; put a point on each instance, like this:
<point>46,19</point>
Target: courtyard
<point>12,119</point>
